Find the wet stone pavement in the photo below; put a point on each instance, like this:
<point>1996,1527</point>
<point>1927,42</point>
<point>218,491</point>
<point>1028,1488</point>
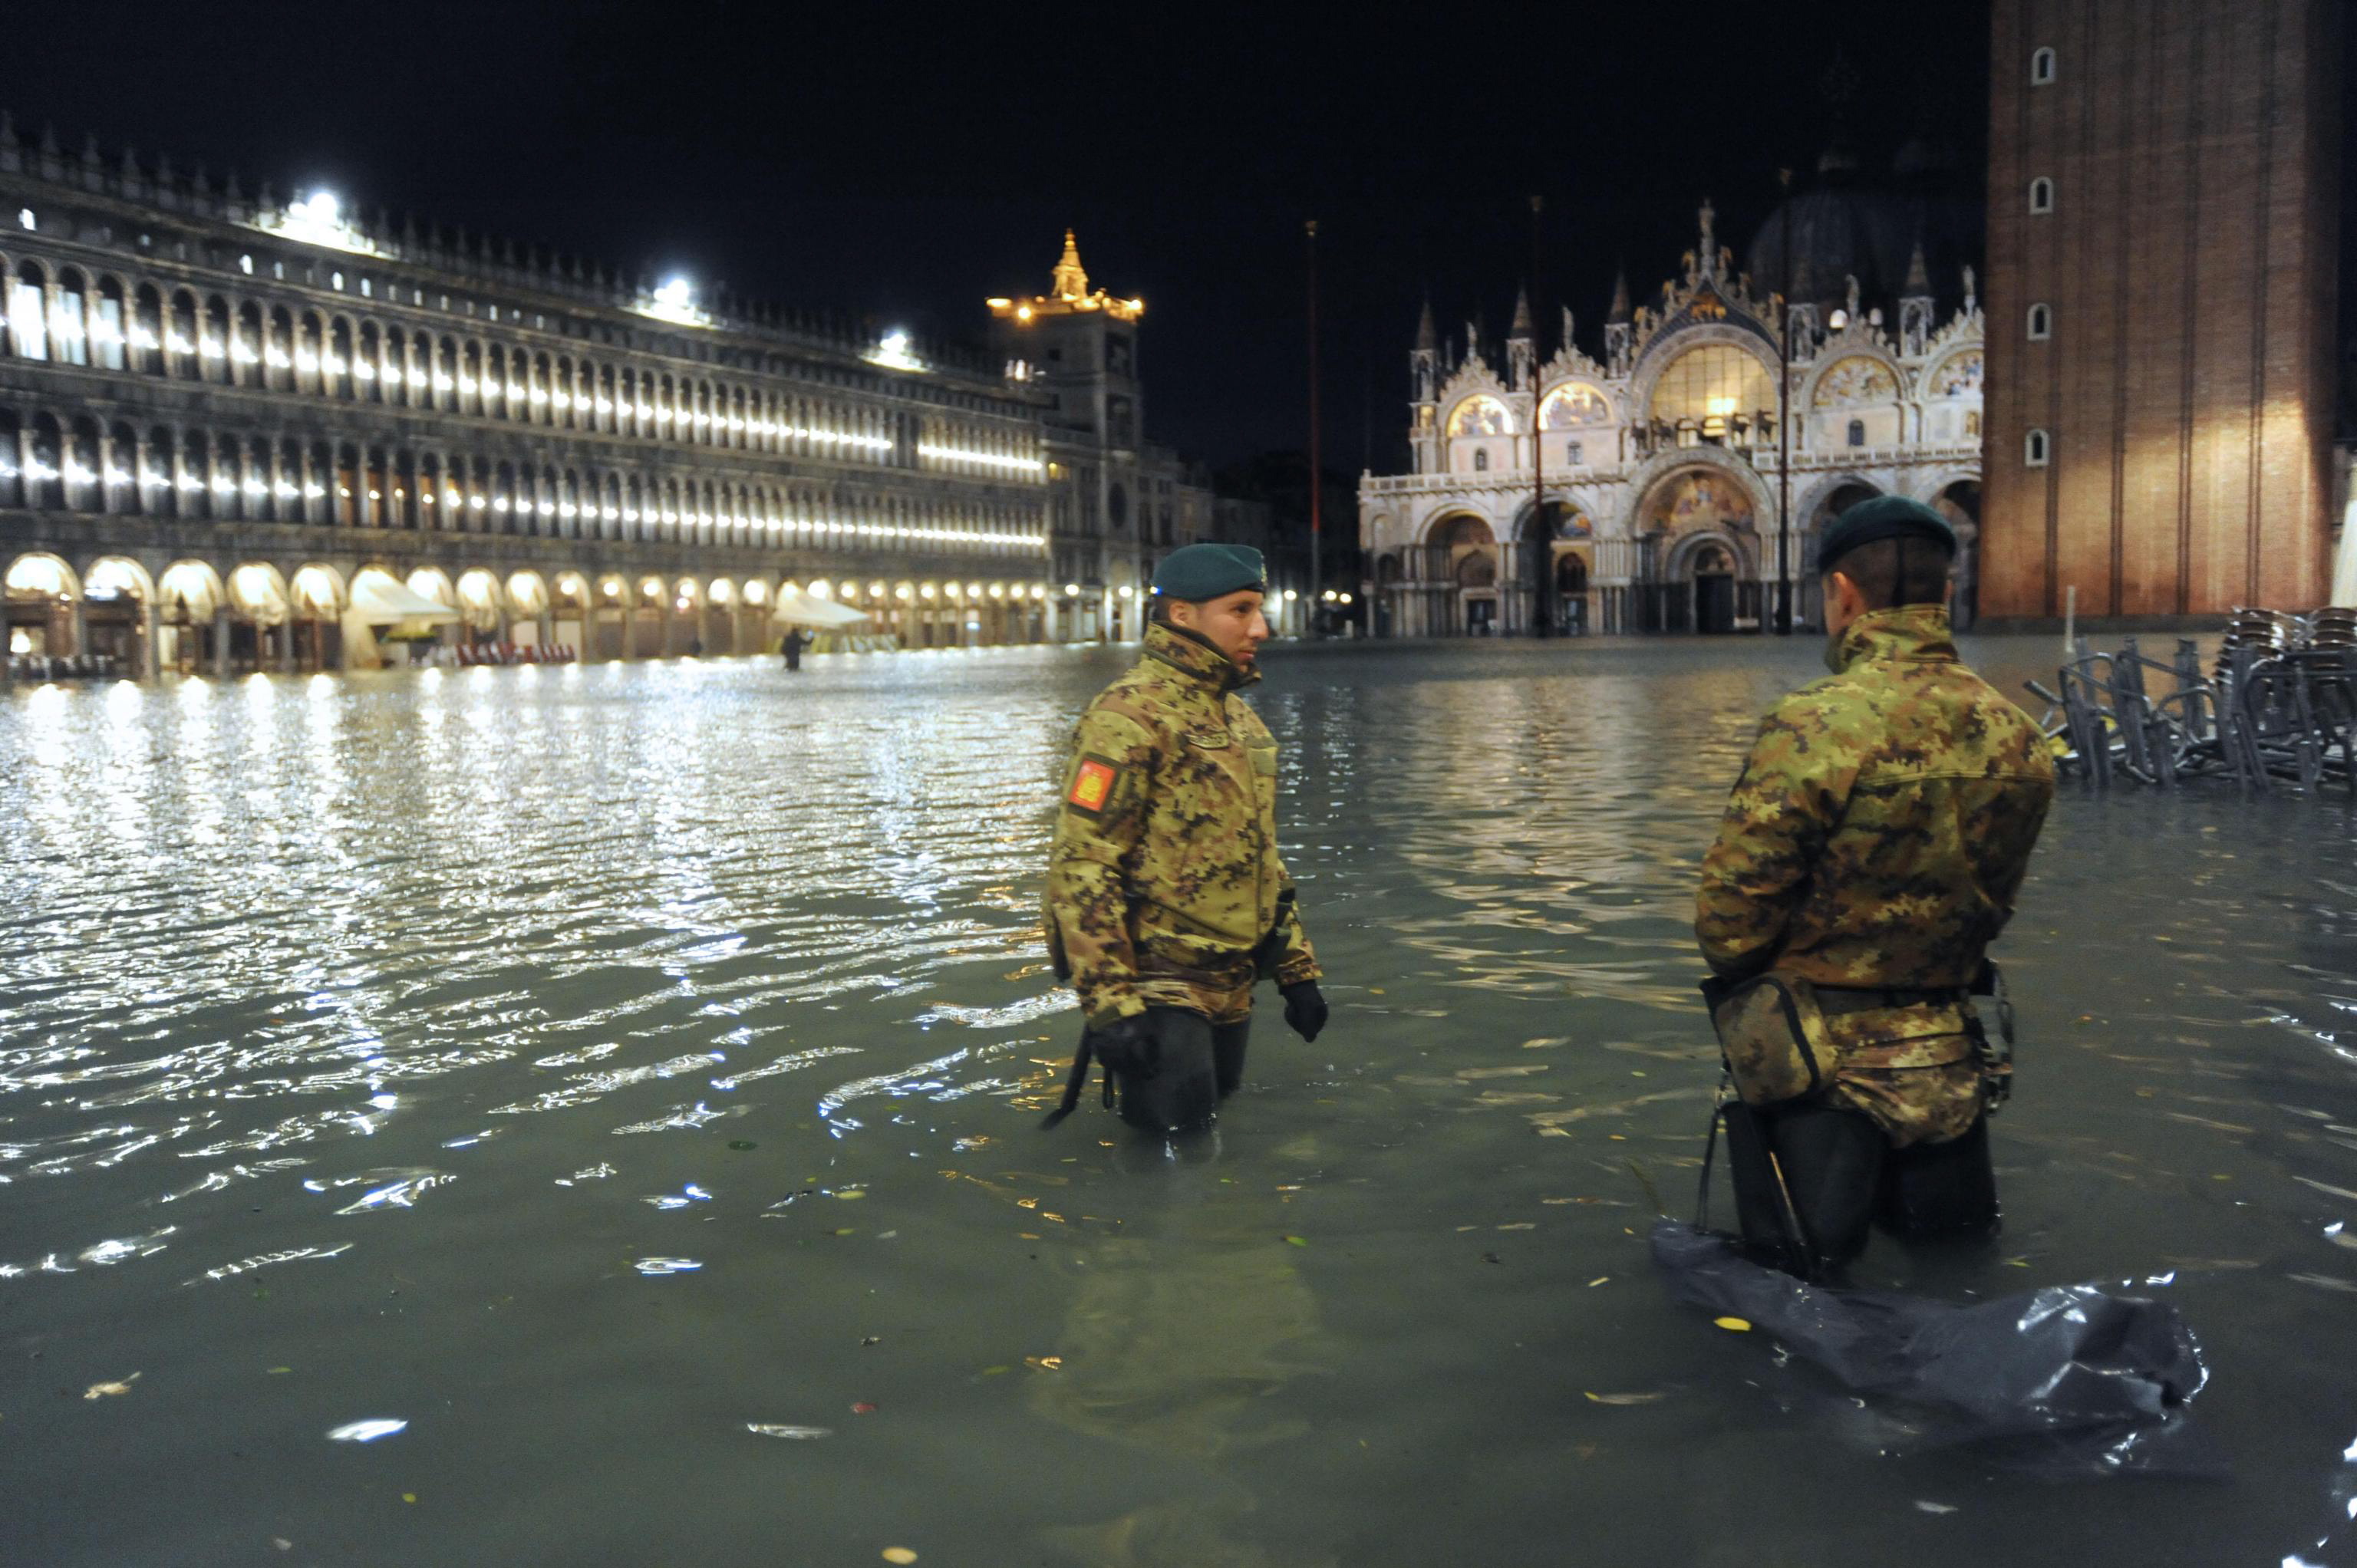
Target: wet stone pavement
<point>585,1116</point>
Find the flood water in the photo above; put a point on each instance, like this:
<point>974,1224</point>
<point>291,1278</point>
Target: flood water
<point>627,1077</point>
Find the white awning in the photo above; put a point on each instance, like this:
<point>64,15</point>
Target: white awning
<point>808,609</point>
<point>377,598</point>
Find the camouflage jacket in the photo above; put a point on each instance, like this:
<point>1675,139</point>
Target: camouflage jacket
<point>1164,877</point>
<point>1883,821</point>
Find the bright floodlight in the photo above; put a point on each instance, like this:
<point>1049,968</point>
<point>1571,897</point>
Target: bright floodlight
<point>892,350</point>
<point>675,290</point>
<point>321,207</point>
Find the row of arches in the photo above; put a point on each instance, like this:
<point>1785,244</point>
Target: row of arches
<point>1693,558</point>
<point>86,463</point>
<point>64,313</point>
<point>195,615</point>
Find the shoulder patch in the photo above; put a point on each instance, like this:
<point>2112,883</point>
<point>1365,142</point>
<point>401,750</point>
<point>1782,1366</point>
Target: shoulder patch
<point>1093,784</point>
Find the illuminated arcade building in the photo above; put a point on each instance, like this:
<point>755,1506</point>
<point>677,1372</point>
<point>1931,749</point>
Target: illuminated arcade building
<point>1661,463</point>
<point>1116,502</point>
<point>239,433</point>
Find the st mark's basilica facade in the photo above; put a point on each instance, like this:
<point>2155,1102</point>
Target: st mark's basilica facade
<point>1662,466</point>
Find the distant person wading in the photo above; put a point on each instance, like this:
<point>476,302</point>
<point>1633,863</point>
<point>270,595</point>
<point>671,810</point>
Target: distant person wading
<point>1167,901</point>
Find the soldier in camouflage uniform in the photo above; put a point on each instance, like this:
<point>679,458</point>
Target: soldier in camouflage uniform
<point>1166,900</point>
<point>1873,846</point>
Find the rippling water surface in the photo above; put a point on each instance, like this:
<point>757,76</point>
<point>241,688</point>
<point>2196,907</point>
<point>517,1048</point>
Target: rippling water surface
<point>539,1116</point>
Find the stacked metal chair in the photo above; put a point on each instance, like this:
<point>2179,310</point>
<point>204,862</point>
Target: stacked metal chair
<point>2279,708</point>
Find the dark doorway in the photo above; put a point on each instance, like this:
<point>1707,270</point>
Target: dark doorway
<point>1571,594</point>
<point>1713,592</point>
<point>1960,503</point>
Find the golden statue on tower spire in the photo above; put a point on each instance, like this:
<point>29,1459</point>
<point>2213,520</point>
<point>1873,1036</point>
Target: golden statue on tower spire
<point>1071,281</point>
<point>1068,294</point>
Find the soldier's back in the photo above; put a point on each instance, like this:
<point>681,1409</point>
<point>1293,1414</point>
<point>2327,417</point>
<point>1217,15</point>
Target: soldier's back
<point>1942,786</point>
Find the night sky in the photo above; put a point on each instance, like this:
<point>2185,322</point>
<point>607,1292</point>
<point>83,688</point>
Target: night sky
<point>904,163</point>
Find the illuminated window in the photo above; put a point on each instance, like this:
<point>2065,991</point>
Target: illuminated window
<point>245,266</point>
<point>2034,448</point>
<point>2041,68</point>
<point>1706,386</point>
<point>336,281</point>
<point>2041,323</point>
<point>24,219</point>
<point>2041,195</point>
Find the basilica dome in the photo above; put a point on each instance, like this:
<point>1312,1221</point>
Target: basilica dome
<point>1848,223</point>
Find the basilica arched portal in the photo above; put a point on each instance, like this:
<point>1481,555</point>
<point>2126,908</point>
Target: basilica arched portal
<point>1691,588</point>
<point>1461,566</point>
<point>1820,511</point>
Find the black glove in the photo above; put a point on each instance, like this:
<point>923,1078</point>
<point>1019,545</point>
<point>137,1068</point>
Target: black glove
<point>1305,1008</point>
<point>1127,1045</point>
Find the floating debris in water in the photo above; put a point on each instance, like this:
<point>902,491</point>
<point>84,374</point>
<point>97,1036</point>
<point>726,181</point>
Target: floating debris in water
<point>666,1265</point>
<point>772,1429</point>
<point>1733,1325</point>
<point>109,1391</point>
<point>1623,1399</point>
<point>1935,1507</point>
<point>366,1431</point>
<point>898,1554</point>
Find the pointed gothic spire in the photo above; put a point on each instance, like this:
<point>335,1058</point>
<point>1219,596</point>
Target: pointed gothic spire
<point>1071,281</point>
<point>1919,277</point>
<point>1522,326</point>
<point>1619,311</point>
<point>1426,338</point>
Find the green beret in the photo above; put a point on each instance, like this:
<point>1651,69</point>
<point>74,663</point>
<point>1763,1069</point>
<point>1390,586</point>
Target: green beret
<point>1884,517</point>
<point>1200,572</point>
